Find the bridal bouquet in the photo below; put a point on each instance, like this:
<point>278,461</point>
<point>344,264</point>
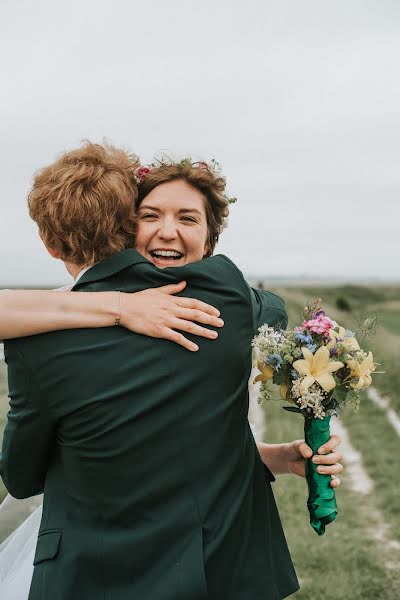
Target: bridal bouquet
<point>319,367</point>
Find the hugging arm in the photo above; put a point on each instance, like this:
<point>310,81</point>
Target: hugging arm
<point>29,434</point>
<point>155,312</point>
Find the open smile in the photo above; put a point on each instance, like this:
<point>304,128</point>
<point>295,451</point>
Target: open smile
<point>165,256</point>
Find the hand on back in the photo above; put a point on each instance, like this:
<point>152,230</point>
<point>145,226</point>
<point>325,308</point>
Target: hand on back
<point>158,313</point>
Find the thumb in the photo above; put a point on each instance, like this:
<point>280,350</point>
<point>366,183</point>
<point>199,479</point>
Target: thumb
<point>172,288</point>
<point>305,450</point>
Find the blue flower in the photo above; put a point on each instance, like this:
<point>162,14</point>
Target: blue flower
<point>304,338</point>
<point>312,347</point>
<point>295,374</point>
<point>274,360</point>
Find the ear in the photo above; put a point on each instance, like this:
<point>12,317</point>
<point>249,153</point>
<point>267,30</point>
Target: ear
<point>54,253</point>
<point>207,250</point>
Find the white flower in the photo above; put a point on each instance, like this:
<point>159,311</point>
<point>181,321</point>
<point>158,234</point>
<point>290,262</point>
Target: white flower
<point>312,400</point>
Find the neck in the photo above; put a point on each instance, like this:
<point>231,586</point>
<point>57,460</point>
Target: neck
<point>73,269</point>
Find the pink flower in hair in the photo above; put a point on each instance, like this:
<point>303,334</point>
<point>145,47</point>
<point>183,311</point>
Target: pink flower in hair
<point>141,173</point>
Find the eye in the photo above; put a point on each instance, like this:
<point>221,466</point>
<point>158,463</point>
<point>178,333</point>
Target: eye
<point>148,216</point>
<point>189,218</point>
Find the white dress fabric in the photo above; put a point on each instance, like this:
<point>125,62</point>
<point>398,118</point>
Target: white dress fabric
<point>16,557</point>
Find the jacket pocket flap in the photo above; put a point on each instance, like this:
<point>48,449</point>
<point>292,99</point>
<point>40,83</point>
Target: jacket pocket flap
<point>47,546</point>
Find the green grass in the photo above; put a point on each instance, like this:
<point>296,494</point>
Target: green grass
<point>357,566</point>
<point>379,445</point>
<point>344,564</point>
<point>390,321</point>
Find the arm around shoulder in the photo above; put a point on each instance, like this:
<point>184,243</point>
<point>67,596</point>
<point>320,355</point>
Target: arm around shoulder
<point>29,312</point>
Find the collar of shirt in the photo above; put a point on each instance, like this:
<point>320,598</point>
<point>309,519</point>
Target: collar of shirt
<point>67,288</point>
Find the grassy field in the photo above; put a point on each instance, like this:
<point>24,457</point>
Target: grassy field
<point>359,556</point>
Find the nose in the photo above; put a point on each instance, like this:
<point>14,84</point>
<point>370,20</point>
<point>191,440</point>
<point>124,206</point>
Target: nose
<point>167,229</point>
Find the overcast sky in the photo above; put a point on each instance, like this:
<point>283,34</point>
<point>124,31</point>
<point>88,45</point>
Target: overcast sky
<point>298,100</point>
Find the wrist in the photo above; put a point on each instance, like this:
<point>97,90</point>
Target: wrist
<point>276,456</point>
<point>117,320</point>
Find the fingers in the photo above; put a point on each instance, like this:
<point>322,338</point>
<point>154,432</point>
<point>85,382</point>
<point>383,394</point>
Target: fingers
<point>191,303</point>
<point>305,450</point>
<point>193,328</point>
<point>330,469</point>
<point>199,316</point>
<point>180,339</point>
<point>330,445</point>
<point>197,305</point>
<point>327,459</point>
<point>335,482</point>
<point>172,288</point>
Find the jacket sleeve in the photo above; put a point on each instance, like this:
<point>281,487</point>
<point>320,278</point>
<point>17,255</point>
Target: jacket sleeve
<point>268,308</point>
<point>29,433</point>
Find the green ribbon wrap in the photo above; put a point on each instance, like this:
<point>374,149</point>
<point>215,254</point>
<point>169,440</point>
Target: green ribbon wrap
<point>321,496</point>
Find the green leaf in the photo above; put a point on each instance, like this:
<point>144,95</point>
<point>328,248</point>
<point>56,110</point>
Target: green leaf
<point>294,409</point>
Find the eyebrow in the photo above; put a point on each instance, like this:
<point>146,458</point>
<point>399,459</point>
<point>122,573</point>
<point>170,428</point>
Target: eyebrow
<point>180,211</point>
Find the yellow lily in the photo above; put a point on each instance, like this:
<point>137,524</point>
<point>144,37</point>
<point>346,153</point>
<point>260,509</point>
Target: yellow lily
<point>335,336</point>
<point>362,370</point>
<point>267,372</point>
<point>349,343</point>
<point>317,367</point>
<point>283,390</point>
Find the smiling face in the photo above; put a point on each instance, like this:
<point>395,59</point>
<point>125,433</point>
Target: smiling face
<point>172,225</point>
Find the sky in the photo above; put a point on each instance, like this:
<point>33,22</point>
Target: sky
<point>298,101</point>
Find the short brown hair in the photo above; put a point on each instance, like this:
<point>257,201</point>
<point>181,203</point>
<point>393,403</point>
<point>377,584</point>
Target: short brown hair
<point>84,203</point>
<point>203,179</point>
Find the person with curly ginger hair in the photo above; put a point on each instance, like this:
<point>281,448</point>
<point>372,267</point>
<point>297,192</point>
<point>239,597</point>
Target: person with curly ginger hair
<point>150,473</point>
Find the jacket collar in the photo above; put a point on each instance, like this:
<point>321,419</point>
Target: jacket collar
<point>110,266</point>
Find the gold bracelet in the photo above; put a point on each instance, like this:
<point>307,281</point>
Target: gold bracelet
<point>118,317</point>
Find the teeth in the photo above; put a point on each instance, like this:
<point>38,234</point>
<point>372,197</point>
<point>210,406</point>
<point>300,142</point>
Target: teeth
<point>167,253</point>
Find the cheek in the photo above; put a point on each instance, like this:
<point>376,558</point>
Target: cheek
<point>141,236</point>
<point>199,244</point>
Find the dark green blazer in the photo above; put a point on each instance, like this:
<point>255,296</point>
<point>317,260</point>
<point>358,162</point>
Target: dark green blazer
<point>153,486</point>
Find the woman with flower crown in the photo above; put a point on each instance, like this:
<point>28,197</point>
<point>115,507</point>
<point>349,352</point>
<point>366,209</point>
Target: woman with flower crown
<point>181,210</point>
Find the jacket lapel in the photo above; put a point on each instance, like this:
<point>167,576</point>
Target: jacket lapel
<point>110,266</point>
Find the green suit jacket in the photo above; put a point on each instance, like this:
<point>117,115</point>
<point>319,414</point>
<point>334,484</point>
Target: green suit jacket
<point>153,486</point>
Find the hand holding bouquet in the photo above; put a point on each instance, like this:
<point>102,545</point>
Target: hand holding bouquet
<point>319,367</point>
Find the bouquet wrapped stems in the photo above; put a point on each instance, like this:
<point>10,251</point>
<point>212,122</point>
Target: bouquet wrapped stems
<point>333,364</point>
<point>321,501</point>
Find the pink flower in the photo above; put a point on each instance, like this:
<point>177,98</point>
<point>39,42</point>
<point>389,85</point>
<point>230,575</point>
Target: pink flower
<point>320,324</point>
<point>141,173</point>
<point>202,165</point>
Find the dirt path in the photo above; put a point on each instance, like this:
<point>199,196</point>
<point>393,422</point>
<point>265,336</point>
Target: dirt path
<point>384,404</point>
<point>358,479</point>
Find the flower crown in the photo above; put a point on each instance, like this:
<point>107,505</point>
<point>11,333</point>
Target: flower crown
<point>213,167</point>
